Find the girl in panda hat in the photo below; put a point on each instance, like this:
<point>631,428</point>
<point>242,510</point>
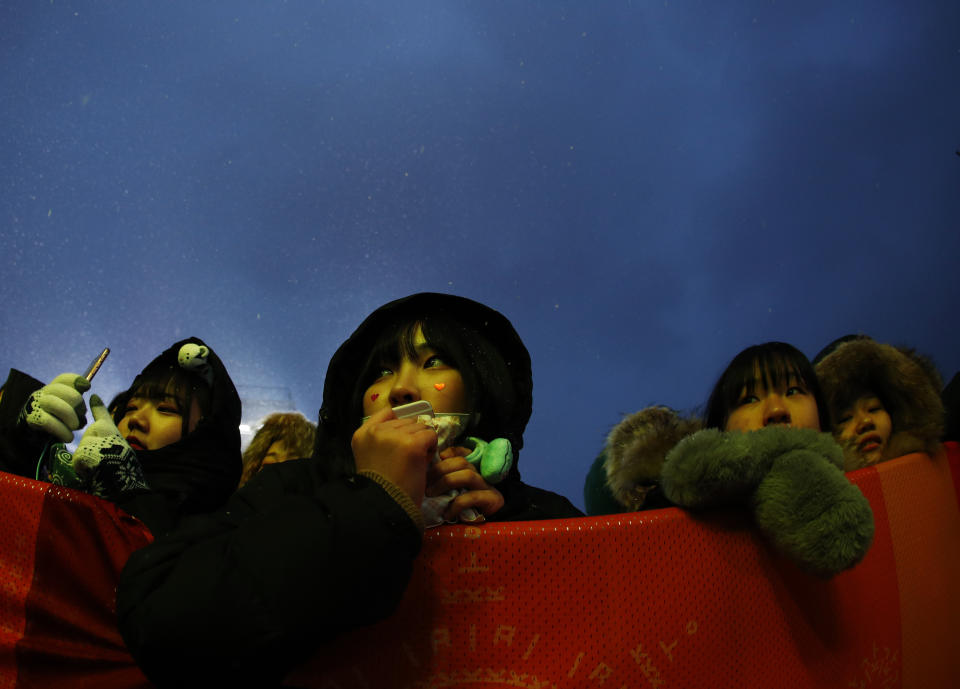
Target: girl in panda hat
<point>168,446</point>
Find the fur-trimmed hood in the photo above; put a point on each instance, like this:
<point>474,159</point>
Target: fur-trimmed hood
<point>635,452</point>
<point>907,383</point>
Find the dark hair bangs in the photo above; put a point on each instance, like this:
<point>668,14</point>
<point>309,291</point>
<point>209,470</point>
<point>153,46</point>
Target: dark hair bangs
<point>164,384</point>
<point>860,385</point>
<point>776,363</point>
<point>161,388</point>
<point>394,344</point>
<point>397,342</point>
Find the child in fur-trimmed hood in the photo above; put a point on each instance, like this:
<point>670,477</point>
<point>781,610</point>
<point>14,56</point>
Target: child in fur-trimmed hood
<point>884,401</point>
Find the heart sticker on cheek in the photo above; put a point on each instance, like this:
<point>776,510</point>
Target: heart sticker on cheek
<point>439,386</point>
<point>374,396</point>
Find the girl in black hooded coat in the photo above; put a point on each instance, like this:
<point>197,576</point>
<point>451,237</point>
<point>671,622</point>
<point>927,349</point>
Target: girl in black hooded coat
<point>309,549</point>
<point>192,471</point>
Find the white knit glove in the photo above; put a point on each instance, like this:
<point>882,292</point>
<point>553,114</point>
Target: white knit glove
<point>57,408</point>
<point>105,459</point>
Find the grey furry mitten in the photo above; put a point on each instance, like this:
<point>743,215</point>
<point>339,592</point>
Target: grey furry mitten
<point>809,510</point>
<point>790,478</point>
<point>713,468</point>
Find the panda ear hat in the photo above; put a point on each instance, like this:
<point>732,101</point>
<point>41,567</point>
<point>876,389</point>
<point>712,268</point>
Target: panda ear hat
<point>193,357</point>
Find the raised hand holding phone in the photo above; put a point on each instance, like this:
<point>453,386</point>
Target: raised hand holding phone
<point>57,408</point>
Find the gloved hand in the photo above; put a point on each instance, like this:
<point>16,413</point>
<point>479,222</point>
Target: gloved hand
<point>104,459</point>
<point>57,408</point>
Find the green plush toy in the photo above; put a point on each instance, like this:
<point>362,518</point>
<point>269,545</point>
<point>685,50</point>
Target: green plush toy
<point>493,460</point>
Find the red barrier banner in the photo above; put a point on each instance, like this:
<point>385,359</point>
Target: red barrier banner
<point>61,552</point>
<point>664,599</point>
<point>653,599</point>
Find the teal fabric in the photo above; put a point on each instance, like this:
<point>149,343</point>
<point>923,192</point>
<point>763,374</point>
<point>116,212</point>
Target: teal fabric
<point>597,497</point>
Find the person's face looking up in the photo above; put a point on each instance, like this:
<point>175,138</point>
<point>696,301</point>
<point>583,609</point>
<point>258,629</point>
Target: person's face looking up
<point>149,424</point>
<point>426,376</point>
<point>866,425</point>
<point>789,404</point>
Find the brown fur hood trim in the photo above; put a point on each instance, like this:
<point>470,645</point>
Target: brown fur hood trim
<point>907,383</point>
<point>636,448</point>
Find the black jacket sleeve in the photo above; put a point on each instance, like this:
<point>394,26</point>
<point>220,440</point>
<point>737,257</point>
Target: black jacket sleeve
<point>240,596</point>
<point>523,502</point>
<point>20,446</point>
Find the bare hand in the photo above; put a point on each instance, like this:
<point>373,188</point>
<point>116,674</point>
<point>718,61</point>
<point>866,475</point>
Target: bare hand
<point>398,449</point>
<point>453,472</point>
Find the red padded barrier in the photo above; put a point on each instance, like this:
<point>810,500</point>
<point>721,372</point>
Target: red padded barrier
<point>76,549</point>
<point>922,505</point>
<point>18,530</point>
<point>655,599</point>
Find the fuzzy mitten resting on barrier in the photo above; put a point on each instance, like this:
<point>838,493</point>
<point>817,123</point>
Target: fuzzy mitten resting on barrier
<point>790,479</point>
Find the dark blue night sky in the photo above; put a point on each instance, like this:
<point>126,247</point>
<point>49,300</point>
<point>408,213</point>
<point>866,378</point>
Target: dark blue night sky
<point>643,188</point>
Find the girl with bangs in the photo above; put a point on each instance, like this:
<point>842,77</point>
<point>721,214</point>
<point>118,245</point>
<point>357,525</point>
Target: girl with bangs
<point>163,406</point>
<point>761,447</point>
<point>772,383</point>
<point>465,359</point>
<point>180,418</point>
<point>168,447</point>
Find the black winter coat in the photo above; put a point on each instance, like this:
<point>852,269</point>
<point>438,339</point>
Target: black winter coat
<point>239,597</point>
<point>20,446</point>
